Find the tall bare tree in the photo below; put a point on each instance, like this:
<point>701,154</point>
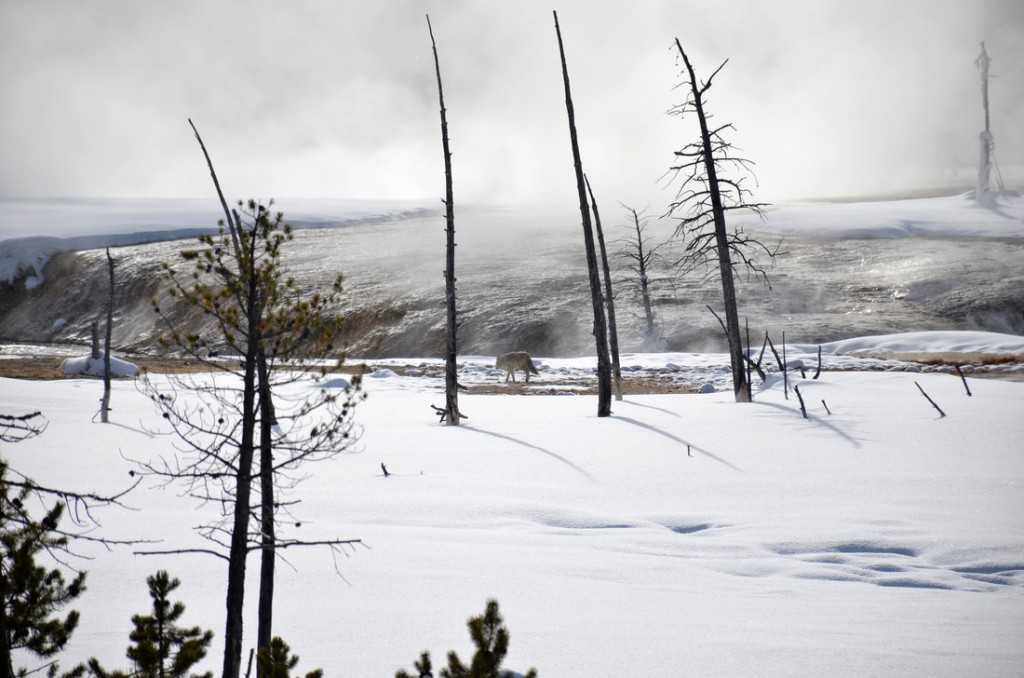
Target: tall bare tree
<point>609,298</point>
<point>604,381</point>
<point>451,378</point>
<point>712,185</point>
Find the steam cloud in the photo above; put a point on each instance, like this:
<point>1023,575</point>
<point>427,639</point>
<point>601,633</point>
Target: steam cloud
<point>326,99</point>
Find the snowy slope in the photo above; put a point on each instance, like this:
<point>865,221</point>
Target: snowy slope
<point>957,216</point>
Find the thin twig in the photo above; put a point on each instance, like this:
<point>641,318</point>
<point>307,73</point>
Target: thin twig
<point>941,413</point>
<point>803,409</point>
<point>964,379</point>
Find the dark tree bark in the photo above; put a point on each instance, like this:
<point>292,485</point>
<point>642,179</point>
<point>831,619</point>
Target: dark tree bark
<point>105,403</point>
<point>613,332</point>
<point>239,545</point>
<point>268,551</point>
<point>705,191</point>
<point>741,386</point>
<point>604,385</point>
<point>451,380</point>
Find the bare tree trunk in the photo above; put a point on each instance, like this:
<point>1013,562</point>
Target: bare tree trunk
<point>983,194</point>
<point>6,666</point>
<point>604,386</point>
<point>613,333</point>
<point>239,545</point>
<point>268,553</point>
<point>239,532</point>
<point>228,222</point>
<point>451,379</point>
<point>105,404</point>
<point>95,331</point>
<point>741,385</point>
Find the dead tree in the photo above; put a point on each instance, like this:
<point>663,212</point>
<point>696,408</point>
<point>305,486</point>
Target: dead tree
<point>707,192</point>
<point>983,194</point>
<point>640,258</point>
<point>613,332</point>
<point>604,385</point>
<point>105,406</point>
<point>451,378</point>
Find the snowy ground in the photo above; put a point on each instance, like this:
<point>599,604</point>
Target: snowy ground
<point>684,535</point>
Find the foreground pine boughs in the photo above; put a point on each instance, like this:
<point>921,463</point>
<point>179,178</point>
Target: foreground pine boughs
<point>32,597</point>
<point>278,662</point>
<point>159,646</point>
<point>491,639</point>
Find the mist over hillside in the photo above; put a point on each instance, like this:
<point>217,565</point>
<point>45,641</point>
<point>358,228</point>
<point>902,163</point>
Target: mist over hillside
<point>884,267</point>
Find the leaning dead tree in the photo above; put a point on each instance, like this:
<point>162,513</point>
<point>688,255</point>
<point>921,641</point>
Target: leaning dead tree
<point>712,185</point>
<point>451,378</point>
<point>613,332</point>
<point>604,381</point>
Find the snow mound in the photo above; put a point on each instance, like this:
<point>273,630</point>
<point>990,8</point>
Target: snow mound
<point>93,367</point>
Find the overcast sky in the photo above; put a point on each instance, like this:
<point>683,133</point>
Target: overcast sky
<point>337,99</point>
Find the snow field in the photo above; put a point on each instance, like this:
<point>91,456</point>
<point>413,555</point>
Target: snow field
<point>878,540</point>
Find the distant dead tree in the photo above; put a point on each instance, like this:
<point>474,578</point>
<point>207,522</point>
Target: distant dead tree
<point>105,403</point>
<point>451,378</point>
<point>984,194</point>
<point>712,185</point>
<point>604,381</point>
<point>641,258</point>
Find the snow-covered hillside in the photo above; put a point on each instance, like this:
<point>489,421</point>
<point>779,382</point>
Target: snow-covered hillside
<point>522,275</point>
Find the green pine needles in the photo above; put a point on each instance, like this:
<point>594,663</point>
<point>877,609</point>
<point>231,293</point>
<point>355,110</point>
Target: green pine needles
<point>160,648</point>
<point>278,662</point>
<point>31,596</point>
<point>491,639</point>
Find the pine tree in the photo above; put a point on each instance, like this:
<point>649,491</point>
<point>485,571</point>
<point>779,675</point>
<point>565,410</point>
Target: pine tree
<point>160,648</point>
<point>31,597</point>
<point>275,335</point>
<point>491,638</point>
<point>424,668</point>
<point>278,662</point>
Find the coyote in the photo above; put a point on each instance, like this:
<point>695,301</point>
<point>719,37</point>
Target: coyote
<point>516,360</point>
